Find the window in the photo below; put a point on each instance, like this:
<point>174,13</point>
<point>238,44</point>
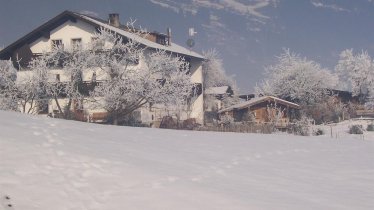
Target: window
<point>93,78</point>
<point>57,43</point>
<point>76,44</point>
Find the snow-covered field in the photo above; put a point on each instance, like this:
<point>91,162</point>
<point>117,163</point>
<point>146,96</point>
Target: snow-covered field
<point>50,164</point>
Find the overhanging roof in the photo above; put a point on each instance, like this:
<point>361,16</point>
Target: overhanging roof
<point>258,100</point>
<point>44,30</point>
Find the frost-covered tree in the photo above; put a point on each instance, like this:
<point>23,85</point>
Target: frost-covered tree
<point>8,94</point>
<point>18,93</point>
<point>215,76</point>
<point>356,73</point>
<point>214,72</point>
<point>136,76</point>
<point>297,79</point>
<point>70,63</point>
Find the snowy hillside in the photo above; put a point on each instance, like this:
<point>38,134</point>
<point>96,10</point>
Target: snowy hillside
<point>55,164</point>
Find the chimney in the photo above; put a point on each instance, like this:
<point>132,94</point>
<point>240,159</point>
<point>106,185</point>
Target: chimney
<point>168,32</point>
<point>114,20</point>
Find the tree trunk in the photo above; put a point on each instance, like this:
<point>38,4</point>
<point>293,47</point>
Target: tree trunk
<point>58,105</point>
<point>115,119</point>
<point>67,110</point>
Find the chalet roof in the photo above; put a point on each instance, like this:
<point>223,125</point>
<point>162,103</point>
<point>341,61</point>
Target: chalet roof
<point>217,90</point>
<point>258,100</point>
<point>44,30</point>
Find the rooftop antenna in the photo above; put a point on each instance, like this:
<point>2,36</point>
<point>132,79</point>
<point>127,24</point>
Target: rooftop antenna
<point>191,42</point>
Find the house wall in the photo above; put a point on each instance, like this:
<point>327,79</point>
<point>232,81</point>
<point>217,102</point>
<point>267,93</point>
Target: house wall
<point>66,32</point>
<point>197,77</point>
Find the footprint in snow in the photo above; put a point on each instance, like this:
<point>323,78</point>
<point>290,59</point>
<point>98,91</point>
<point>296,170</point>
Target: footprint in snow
<point>60,153</point>
<point>172,179</point>
<point>279,153</point>
<point>156,185</point>
<point>36,133</point>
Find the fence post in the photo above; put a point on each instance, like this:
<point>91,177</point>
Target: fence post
<point>331,131</point>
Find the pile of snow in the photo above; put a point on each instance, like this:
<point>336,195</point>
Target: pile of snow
<point>55,164</point>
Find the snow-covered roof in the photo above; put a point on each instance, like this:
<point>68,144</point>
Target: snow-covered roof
<point>171,48</point>
<point>68,15</point>
<point>217,90</point>
<point>258,100</point>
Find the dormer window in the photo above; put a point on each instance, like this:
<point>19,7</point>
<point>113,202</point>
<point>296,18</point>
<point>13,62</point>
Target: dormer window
<point>57,44</point>
<point>76,43</point>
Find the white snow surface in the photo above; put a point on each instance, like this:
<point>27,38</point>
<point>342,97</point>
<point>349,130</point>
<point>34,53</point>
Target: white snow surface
<point>56,164</point>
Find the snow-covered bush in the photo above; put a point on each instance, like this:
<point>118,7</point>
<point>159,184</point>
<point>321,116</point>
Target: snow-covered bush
<point>301,127</point>
<point>274,114</point>
<point>328,110</point>
<point>356,129</point>
<point>370,127</point>
<point>248,117</point>
<point>297,79</point>
<point>369,105</point>
<point>8,94</point>
<point>318,132</point>
<point>226,120</point>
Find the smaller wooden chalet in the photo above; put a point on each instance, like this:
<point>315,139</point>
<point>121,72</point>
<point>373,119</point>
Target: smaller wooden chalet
<point>263,110</point>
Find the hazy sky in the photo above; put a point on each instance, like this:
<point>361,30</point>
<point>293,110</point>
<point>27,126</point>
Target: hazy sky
<point>249,34</point>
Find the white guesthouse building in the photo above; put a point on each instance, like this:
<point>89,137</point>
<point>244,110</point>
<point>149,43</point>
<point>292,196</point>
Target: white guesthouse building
<point>69,28</point>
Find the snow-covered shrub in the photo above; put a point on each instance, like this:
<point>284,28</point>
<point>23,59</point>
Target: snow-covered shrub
<point>8,86</point>
<point>301,127</point>
<point>318,132</point>
<point>274,114</point>
<point>248,117</point>
<point>370,127</point>
<point>328,110</point>
<point>226,120</point>
<point>356,129</point>
<point>369,105</point>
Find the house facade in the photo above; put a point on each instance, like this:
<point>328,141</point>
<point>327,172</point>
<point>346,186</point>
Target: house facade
<point>69,29</point>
